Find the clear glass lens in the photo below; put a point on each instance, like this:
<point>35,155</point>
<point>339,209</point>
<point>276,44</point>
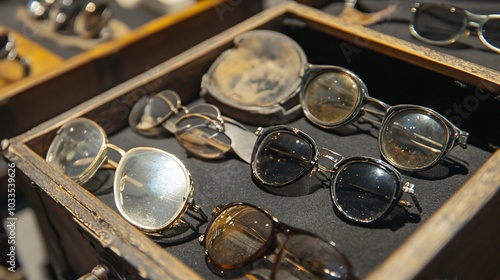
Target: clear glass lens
<point>236,235</point>
<point>202,137</point>
<point>281,158</point>
<point>77,149</point>
<point>491,32</point>
<point>439,23</point>
<point>308,257</point>
<point>332,97</point>
<point>149,112</point>
<point>151,188</point>
<point>413,140</point>
<point>364,191</point>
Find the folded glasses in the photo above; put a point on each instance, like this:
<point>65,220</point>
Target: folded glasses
<point>443,24</point>
<point>239,235</point>
<point>411,137</point>
<point>363,189</point>
<point>201,129</point>
<point>152,188</point>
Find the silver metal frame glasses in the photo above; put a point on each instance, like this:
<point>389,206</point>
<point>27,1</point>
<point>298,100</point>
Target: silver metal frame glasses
<point>201,129</point>
<point>152,188</point>
<point>8,51</point>
<point>363,189</point>
<point>411,137</point>
<point>240,235</point>
<point>443,24</point>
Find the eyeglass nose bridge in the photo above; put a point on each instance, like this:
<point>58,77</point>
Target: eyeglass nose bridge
<point>332,156</point>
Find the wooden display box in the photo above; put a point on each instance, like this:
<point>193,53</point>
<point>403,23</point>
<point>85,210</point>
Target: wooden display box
<point>70,82</point>
<point>459,238</point>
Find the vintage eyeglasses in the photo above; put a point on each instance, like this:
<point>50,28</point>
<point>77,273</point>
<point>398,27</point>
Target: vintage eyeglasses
<point>8,51</point>
<point>86,19</point>
<point>443,24</point>
<point>411,137</point>
<point>363,189</point>
<point>152,188</point>
<point>201,129</point>
<point>240,234</point>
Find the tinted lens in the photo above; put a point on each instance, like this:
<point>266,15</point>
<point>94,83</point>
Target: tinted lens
<point>491,31</point>
<point>236,235</point>
<point>149,112</point>
<point>308,257</point>
<point>201,137</point>
<point>282,157</point>
<point>332,97</point>
<point>77,149</point>
<point>151,187</point>
<point>412,140</point>
<point>364,191</point>
<point>439,23</point>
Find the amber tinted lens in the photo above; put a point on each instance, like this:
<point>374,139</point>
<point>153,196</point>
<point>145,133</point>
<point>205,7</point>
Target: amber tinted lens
<point>149,112</point>
<point>331,97</point>
<point>308,257</point>
<point>439,23</point>
<point>201,137</point>
<point>281,158</point>
<point>413,140</point>
<point>236,235</point>
<point>364,191</point>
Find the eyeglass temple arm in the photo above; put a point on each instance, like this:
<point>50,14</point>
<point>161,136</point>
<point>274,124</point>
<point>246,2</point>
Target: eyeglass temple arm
<point>409,188</point>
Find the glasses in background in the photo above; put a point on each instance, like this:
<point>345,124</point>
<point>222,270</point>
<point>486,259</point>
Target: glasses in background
<point>443,24</point>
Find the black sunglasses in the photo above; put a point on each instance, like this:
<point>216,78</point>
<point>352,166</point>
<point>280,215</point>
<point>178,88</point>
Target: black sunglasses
<point>363,189</point>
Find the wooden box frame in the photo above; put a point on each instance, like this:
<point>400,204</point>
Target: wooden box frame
<point>466,220</point>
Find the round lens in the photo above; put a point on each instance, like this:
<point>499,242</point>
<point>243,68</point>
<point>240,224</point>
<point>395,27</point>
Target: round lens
<point>282,157</point>
<point>151,187</point>
<point>202,137</point>
<point>237,235</point>
<point>149,112</point>
<point>364,191</point>
<point>308,257</point>
<point>491,32</point>
<point>78,149</point>
<point>439,23</point>
<point>412,140</point>
<point>331,98</point>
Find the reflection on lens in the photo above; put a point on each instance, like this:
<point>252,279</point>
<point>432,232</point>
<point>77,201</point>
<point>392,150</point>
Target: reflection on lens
<point>308,257</point>
<point>201,137</point>
<point>151,187</point>
<point>413,140</point>
<point>331,97</point>
<point>439,23</point>
<point>281,158</point>
<point>236,235</point>
<point>491,32</point>
<point>364,191</point>
<point>77,150</point>
<point>149,112</point>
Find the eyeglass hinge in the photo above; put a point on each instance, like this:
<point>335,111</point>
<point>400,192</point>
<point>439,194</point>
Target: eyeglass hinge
<point>409,188</point>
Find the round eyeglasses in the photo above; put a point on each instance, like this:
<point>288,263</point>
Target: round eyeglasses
<point>152,188</point>
<point>411,137</point>
<point>444,24</point>
<point>363,189</point>
<point>240,234</point>
<point>201,129</point>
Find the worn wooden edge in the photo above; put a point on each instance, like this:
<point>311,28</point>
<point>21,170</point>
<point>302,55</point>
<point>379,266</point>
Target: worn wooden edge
<point>108,227</point>
<point>109,47</point>
<point>431,237</point>
<point>364,37</point>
